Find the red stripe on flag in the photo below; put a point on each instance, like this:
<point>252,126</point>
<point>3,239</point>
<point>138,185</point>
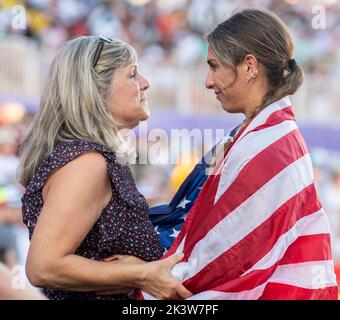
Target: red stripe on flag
<point>280,291</point>
<point>314,247</point>
<point>249,281</point>
<point>276,118</point>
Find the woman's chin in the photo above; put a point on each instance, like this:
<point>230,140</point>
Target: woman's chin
<point>144,117</point>
<point>145,113</point>
<point>226,106</point>
<point>229,108</point>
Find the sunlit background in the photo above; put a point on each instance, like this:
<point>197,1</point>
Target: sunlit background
<point>170,39</point>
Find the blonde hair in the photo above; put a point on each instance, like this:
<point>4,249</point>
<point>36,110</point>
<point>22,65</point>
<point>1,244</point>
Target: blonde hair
<point>262,34</point>
<point>74,105</point>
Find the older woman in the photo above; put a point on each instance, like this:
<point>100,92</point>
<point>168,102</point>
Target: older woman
<point>257,229</point>
<point>81,204</point>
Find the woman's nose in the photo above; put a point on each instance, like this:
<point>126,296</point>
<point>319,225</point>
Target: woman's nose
<point>209,83</point>
<point>144,84</point>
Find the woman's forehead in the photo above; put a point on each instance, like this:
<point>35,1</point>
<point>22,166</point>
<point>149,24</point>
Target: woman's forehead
<point>129,66</point>
<point>125,68</point>
<point>211,55</point>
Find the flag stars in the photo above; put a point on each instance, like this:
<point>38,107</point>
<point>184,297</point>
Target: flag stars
<point>156,229</point>
<point>174,233</point>
<point>183,203</point>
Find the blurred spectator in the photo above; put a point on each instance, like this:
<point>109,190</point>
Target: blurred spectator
<point>8,247</point>
<point>332,205</point>
<point>14,250</point>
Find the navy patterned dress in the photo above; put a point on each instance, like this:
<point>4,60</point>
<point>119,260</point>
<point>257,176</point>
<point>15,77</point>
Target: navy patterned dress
<point>123,227</point>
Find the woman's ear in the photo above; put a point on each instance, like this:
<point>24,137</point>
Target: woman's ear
<point>251,68</point>
<point>251,63</point>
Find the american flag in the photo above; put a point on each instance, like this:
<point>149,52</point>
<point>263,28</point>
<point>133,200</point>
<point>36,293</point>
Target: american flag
<point>257,229</point>
<point>168,219</point>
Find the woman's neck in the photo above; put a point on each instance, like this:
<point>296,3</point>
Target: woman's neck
<point>256,95</point>
<point>252,110</point>
<point>255,102</point>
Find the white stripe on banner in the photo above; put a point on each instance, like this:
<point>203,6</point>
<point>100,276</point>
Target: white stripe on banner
<point>148,296</point>
<point>251,146</point>
<point>252,294</point>
<point>181,246</point>
<point>247,217</point>
<point>316,223</point>
<point>309,275</point>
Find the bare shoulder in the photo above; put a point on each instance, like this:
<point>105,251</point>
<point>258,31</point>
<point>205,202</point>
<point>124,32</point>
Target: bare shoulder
<point>92,159</point>
<point>87,174</point>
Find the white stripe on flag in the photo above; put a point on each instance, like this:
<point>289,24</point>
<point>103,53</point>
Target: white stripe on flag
<point>247,150</point>
<point>181,246</point>
<point>148,296</point>
<point>252,294</point>
<point>316,223</point>
<point>247,217</point>
<point>309,275</point>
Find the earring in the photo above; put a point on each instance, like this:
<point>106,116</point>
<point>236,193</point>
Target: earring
<point>252,77</point>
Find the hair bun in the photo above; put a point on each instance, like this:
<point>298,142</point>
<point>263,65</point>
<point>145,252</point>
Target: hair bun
<point>291,63</point>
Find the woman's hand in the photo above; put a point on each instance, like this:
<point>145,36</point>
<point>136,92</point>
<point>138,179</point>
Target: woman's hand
<point>160,283</point>
<point>157,279</point>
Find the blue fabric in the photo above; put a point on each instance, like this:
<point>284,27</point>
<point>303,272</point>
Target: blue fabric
<point>168,219</point>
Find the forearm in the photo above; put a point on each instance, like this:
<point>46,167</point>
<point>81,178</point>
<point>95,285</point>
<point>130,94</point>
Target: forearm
<point>75,273</point>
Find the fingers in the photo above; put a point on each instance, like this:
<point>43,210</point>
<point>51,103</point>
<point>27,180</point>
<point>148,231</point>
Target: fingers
<point>177,292</point>
<point>173,260</point>
<point>183,292</point>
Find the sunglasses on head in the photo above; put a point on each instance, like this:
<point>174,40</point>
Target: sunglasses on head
<point>99,49</point>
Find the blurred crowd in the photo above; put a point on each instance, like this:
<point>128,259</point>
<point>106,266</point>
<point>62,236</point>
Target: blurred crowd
<point>13,234</point>
<point>173,31</point>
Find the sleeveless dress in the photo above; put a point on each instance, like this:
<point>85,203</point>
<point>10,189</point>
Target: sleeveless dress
<point>123,226</point>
